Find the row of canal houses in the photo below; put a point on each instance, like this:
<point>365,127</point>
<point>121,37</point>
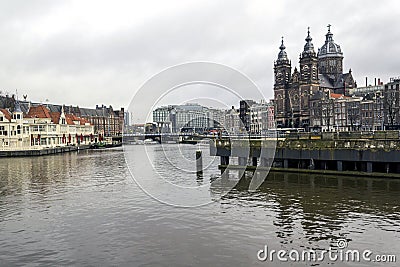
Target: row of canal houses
<point>40,127</point>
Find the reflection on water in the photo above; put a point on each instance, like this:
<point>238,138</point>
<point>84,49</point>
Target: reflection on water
<point>84,209</point>
<point>328,207</point>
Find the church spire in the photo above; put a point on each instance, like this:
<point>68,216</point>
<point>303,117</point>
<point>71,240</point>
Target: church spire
<point>282,68</point>
<point>282,56</point>
<point>329,35</point>
<point>308,47</point>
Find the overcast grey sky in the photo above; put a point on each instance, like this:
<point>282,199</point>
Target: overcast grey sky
<point>92,52</point>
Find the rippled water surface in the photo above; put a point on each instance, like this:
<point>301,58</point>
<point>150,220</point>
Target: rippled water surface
<point>85,209</point>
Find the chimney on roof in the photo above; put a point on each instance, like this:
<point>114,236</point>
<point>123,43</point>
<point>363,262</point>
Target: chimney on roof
<point>366,81</point>
<point>379,81</point>
<point>375,81</point>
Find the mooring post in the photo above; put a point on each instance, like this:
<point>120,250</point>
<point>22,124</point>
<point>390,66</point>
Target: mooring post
<point>224,160</point>
<point>369,166</point>
<point>199,162</point>
<point>285,163</point>
<point>339,164</point>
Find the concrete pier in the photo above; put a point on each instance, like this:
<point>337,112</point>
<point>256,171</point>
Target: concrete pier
<point>373,156</point>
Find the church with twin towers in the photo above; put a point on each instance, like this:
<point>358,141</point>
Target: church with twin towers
<point>319,73</point>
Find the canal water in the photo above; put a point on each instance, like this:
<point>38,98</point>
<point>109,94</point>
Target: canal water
<point>86,209</point>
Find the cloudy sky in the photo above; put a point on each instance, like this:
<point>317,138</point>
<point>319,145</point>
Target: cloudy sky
<point>92,52</point>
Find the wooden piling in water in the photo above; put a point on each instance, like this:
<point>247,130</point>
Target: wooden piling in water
<point>199,162</point>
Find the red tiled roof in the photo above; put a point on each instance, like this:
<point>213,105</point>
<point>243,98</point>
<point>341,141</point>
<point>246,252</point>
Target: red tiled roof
<point>43,112</point>
<point>70,118</point>
<point>6,113</point>
<point>55,117</point>
<point>38,112</point>
<point>84,121</point>
<point>333,95</point>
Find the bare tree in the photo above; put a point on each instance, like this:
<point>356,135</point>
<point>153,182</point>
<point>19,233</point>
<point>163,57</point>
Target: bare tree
<point>353,114</point>
<point>391,103</point>
<point>327,112</point>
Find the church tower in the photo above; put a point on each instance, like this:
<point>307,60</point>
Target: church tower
<point>282,69</point>
<point>330,58</point>
<point>308,63</point>
<point>282,73</point>
<point>308,82</point>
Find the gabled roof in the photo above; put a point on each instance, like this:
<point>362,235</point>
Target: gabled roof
<point>38,112</point>
<point>345,77</point>
<point>55,117</point>
<point>324,81</point>
<point>70,118</point>
<point>103,111</point>
<point>6,113</point>
<point>328,81</point>
<point>84,121</point>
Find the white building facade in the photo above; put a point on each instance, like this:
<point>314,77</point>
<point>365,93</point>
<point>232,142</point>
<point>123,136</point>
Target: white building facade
<point>40,128</point>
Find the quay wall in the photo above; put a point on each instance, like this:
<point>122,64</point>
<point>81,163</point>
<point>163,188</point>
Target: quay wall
<point>329,153</point>
<point>41,152</point>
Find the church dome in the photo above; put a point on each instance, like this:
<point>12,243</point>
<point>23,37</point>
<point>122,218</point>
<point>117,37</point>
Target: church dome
<point>330,48</point>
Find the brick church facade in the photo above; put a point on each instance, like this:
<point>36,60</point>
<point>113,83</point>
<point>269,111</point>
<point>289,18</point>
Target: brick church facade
<point>319,72</point>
